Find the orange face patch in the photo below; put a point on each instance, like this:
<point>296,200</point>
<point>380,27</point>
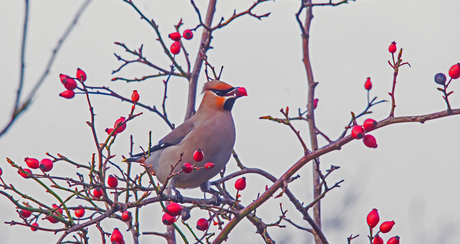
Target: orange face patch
<point>220,101</point>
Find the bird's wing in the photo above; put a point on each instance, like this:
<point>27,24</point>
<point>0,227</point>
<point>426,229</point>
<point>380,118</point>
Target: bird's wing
<point>173,138</point>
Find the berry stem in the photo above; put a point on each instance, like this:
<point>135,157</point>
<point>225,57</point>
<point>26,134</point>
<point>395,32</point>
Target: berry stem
<point>392,94</point>
<point>395,67</point>
<point>446,97</point>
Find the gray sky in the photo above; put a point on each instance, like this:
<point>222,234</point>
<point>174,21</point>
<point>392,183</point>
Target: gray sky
<point>410,177</point>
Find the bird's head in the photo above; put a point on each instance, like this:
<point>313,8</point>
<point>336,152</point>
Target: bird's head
<point>220,95</point>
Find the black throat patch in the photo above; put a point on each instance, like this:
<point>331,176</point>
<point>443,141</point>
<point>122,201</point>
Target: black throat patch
<point>228,105</point>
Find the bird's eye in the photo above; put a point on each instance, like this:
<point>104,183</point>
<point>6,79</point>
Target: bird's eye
<point>222,93</point>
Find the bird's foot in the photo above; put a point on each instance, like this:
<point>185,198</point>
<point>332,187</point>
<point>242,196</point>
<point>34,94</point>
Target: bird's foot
<point>177,196</point>
<point>215,200</point>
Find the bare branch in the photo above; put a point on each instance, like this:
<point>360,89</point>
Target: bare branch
<point>18,109</point>
<point>223,23</point>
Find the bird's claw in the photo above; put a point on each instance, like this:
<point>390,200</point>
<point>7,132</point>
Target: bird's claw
<point>215,200</point>
<point>177,196</point>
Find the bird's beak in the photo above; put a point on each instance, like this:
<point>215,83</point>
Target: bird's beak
<point>240,92</point>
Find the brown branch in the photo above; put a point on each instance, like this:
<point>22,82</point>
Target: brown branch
<point>11,223</point>
<point>296,132</point>
<point>124,99</point>
<point>140,59</point>
<point>199,17</point>
<point>310,114</point>
<point>330,3</point>
<point>223,23</point>
<point>205,44</point>
<point>23,52</point>
<point>323,135</point>
<point>351,237</point>
<point>160,39</point>
<point>297,226</point>
<point>337,145</point>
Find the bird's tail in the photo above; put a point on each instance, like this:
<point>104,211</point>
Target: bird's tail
<point>139,158</point>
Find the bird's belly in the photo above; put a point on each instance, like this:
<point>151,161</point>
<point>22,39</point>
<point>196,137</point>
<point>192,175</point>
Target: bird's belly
<point>215,151</point>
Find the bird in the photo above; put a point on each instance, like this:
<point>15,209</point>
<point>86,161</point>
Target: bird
<point>211,129</point>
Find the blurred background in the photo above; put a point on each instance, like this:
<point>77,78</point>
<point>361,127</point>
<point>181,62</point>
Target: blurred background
<point>410,178</point>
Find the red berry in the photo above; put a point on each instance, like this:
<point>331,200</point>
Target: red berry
<point>370,141</point>
<point>198,155</point>
<point>373,218</point>
<point>386,226</point>
<point>52,220</point>
<point>126,216</point>
<point>67,94</point>
<point>109,130</point>
<point>377,240</point>
<point>135,96</point>
<point>240,184</point>
<point>63,77</point>
<point>32,163</point>
<point>34,227</point>
<point>1,171</point>
<point>81,75</point>
<point>46,165</point>
<point>58,210</point>
<point>393,240</point>
<point>23,173</point>
<point>168,219</point>
<point>187,168</point>
<point>315,103</point>
<point>188,34</point>
<point>368,84</point>
<point>209,165</point>
<point>97,192</point>
<point>118,122</point>
<point>112,181</point>
<point>202,224</point>
<point>173,209</point>
<point>25,213</point>
<point>116,237</point>
<point>357,132</point>
<point>69,83</point>
<point>369,124</point>
<point>392,47</point>
<point>241,92</point>
<point>175,47</point>
<point>454,71</point>
<point>80,211</point>
<point>175,36</point>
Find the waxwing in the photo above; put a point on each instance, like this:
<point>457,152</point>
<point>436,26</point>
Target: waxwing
<point>210,129</point>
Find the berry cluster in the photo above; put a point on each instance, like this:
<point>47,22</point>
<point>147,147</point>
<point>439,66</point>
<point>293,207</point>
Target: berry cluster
<point>359,132</point>
<point>56,214</point>
<point>373,219</point>
<point>176,36</point>
<point>198,156</point>
<point>70,84</point>
<point>45,165</point>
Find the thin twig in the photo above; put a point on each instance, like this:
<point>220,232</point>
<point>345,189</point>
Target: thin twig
<point>19,109</point>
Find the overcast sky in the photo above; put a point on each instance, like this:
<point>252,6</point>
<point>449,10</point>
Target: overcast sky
<point>410,178</point>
